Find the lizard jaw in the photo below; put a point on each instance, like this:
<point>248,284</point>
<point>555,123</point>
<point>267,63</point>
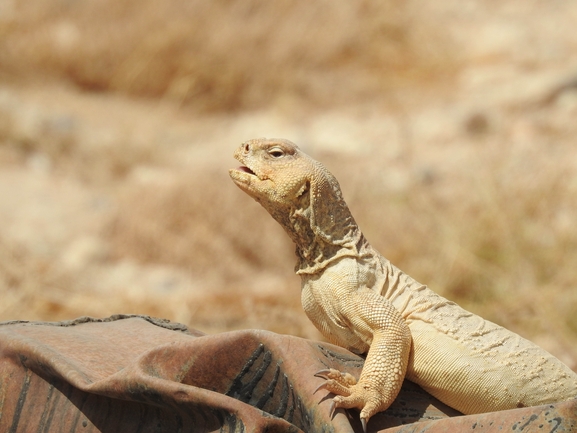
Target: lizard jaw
<point>248,181</point>
<point>243,174</point>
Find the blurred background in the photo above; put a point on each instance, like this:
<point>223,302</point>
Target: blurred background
<point>451,126</point>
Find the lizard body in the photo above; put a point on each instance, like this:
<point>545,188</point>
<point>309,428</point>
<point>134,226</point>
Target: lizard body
<point>359,300</point>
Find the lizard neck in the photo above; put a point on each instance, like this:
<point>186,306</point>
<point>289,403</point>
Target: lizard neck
<point>317,257</point>
<point>320,243</point>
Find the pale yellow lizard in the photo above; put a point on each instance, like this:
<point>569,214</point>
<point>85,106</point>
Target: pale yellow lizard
<point>360,301</point>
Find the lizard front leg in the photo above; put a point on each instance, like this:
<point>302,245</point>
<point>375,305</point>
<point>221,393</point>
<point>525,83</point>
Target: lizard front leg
<point>375,320</point>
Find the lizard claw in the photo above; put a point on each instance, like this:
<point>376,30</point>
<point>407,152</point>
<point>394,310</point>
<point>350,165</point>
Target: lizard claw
<point>321,386</point>
<point>333,406</point>
<point>332,409</point>
<point>335,381</point>
<point>323,373</point>
<point>364,423</point>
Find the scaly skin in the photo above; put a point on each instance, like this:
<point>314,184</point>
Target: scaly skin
<point>359,300</point>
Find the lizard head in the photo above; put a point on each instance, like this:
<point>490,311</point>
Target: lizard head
<point>299,192</point>
<point>275,171</point>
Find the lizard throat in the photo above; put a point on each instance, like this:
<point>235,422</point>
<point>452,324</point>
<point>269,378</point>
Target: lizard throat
<point>316,250</point>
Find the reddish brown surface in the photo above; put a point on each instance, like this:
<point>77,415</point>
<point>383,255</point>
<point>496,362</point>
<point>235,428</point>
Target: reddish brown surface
<point>137,374</point>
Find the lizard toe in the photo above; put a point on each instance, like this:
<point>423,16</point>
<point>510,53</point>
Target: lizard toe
<point>367,412</point>
<point>325,373</point>
<point>366,400</point>
<point>335,387</point>
<point>345,379</point>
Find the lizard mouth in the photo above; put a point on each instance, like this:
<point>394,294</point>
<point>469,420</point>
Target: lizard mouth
<point>245,169</point>
<point>244,177</point>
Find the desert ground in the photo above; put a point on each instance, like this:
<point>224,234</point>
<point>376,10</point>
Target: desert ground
<point>451,127</point>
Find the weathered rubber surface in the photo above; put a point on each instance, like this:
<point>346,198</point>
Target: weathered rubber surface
<point>139,374</point>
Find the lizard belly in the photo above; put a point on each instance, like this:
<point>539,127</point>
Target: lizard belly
<point>477,366</point>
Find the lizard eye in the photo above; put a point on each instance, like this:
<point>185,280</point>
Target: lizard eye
<point>276,152</point>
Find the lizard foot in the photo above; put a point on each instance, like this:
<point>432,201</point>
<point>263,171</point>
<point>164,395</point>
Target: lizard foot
<point>350,394</point>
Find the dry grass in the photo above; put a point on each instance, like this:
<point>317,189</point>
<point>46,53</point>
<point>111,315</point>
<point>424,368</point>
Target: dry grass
<point>216,223</point>
<point>485,218</point>
<point>223,55</point>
